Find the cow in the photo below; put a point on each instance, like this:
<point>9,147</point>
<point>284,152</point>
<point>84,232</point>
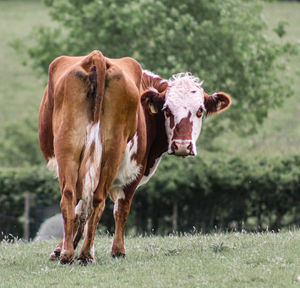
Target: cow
<point>104,125</point>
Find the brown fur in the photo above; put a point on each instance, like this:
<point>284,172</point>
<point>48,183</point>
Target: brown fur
<point>184,128</point>
<point>82,91</point>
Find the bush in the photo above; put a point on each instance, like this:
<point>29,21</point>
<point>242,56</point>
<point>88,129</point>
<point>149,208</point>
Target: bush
<point>14,182</point>
<point>216,191</point>
<point>222,42</point>
<point>223,192</point>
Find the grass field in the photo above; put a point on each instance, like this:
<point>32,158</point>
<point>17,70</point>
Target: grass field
<point>220,260</point>
<point>217,260</point>
<point>20,90</point>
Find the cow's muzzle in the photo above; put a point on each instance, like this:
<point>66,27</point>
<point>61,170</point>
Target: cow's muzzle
<point>182,148</point>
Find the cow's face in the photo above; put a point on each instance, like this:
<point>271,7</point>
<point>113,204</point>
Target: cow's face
<point>183,108</point>
<point>184,105</point>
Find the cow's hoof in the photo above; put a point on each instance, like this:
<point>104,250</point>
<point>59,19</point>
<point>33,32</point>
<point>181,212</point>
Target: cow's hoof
<point>82,260</point>
<point>66,258</point>
<point>118,255</point>
<point>54,255</point>
<point>64,261</point>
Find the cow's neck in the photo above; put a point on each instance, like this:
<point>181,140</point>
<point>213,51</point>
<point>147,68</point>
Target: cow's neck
<point>157,142</point>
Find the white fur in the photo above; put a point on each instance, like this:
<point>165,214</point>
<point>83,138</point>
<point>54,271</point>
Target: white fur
<point>117,194</point>
<point>181,101</point>
<point>145,179</point>
<point>91,179</point>
<point>151,74</point>
<point>52,166</point>
<point>129,169</point>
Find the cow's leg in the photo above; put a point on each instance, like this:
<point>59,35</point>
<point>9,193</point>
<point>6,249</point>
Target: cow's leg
<point>56,252</point>
<point>68,178</point>
<point>87,251</point>
<point>84,211</point>
<point>111,162</point>
<point>121,212</point>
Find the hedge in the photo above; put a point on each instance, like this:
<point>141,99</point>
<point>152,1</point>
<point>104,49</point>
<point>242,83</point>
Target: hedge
<point>202,193</point>
<point>14,183</point>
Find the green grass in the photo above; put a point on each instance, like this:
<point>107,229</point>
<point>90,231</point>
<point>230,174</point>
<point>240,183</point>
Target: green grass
<point>217,260</point>
<point>20,90</point>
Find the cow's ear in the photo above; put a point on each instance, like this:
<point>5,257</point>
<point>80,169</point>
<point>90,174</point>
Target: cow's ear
<point>153,101</point>
<point>216,103</point>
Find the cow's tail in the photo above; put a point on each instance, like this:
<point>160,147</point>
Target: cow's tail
<point>96,65</point>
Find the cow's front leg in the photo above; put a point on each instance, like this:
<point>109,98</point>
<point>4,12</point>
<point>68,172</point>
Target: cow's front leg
<point>121,212</point>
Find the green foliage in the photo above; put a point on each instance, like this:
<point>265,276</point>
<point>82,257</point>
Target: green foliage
<point>14,182</point>
<point>217,191</point>
<point>280,30</point>
<point>222,42</point>
<point>20,90</point>
<point>224,192</point>
<point>20,143</point>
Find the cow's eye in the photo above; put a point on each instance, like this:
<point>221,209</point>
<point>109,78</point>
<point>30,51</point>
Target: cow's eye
<point>167,112</point>
<point>200,112</point>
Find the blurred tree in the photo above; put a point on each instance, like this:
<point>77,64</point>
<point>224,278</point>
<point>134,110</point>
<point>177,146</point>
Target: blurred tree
<point>280,30</point>
<point>19,143</point>
<point>222,42</point>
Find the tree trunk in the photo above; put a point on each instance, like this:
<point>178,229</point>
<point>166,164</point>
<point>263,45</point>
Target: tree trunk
<point>175,217</point>
<point>26,216</point>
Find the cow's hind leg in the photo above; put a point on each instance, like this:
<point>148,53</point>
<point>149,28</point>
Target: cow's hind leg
<point>87,251</point>
<point>78,229</point>
<point>56,252</point>
<point>68,178</point>
<point>109,171</point>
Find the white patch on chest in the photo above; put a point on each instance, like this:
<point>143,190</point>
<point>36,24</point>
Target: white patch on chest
<point>129,169</point>
<point>145,179</point>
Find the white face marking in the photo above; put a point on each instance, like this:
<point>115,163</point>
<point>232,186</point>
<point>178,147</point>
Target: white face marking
<point>129,169</point>
<point>183,98</point>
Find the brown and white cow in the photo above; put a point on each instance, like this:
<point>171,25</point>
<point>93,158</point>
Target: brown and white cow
<point>103,127</point>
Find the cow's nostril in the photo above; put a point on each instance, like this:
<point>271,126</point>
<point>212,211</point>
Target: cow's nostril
<point>174,147</point>
<point>190,149</point>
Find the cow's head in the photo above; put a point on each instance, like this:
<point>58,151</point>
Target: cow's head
<point>184,104</point>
